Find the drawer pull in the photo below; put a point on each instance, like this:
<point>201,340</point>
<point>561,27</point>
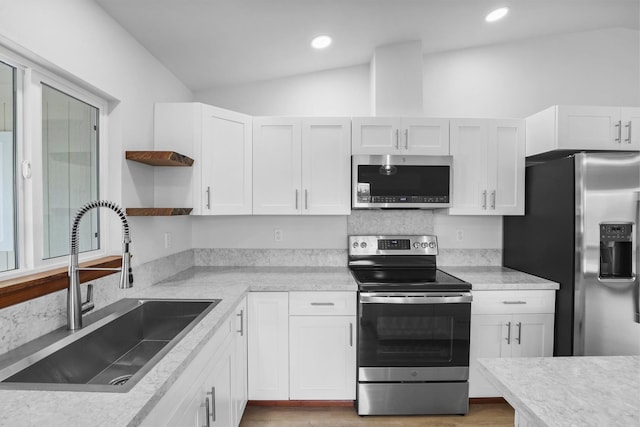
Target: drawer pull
<point>326,304</point>
<point>514,302</point>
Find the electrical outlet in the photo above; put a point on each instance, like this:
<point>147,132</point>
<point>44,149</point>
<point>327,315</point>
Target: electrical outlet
<point>167,240</point>
<point>459,235</point>
<point>277,234</point>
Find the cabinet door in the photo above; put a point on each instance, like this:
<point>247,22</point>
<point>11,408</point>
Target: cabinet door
<point>425,136</point>
<point>532,335</point>
<point>217,389</point>
<point>506,167</point>
<point>469,148</point>
<point>225,163</point>
<point>589,128</point>
<point>375,135</point>
<point>268,327</point>
<point>239,362</point>
<point>276,166</point>
<point>489,334</point>
<point>326,166</point>
<point>630,118</point>
<point>323,357</point>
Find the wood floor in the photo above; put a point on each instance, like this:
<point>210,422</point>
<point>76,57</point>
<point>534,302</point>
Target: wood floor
<point>480,414</point>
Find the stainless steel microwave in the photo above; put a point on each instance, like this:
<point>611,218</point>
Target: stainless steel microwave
<point>401,182</point>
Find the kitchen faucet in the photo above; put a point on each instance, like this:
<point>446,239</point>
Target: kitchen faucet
<point>75,307</point>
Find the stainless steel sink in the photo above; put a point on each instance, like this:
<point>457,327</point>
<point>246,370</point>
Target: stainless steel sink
<point>112,353</point>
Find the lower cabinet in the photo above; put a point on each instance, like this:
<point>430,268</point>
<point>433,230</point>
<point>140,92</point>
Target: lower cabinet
<point>508,324</point>
<point>314,332</point>
<point>210,392</point>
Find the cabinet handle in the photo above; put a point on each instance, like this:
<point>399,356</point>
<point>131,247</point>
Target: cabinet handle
<point>519,339</point>
<point>493,199</point>
<point>351,334</point>
<point>619,126</point>
<point>514,302</point>
<point>206,412</point>
<point>241,314</point>
<point>208,197</point>
<point>397,139</point>
<point>628,126</point>
<point>508,325</point>
<point>331,304</point>
<point>406,139</point>
<point>484,199</point>
<point>306,199</point>
<point>213,403</point>
<point>296,199</point>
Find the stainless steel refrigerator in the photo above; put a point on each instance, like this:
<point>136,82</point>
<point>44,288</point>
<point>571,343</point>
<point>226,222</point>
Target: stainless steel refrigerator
<point>580,229</point>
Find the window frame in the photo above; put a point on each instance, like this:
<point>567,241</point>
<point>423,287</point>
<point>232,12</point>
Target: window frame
<point>29,184</point>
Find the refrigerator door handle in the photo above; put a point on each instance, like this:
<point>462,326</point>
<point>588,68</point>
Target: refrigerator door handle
<point>637,248</point>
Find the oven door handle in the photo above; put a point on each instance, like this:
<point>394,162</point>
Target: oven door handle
<point>417,298</point>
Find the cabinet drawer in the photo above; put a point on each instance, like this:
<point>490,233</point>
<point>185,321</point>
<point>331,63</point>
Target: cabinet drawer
<point>322,303</point>
<point>507,302</point>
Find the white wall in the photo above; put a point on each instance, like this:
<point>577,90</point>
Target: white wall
<point>511,80</point>
<point>78,39</point>
<point>519,79</point>
<point>339,92</point>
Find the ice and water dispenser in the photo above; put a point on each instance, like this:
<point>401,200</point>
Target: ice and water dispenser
<point>616,250</point>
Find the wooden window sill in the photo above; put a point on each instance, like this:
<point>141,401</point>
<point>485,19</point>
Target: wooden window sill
<point>25,288</point>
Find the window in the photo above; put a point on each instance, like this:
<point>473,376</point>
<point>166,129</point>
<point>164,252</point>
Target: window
<point>69,170</point>
<point>8,250</point>
<point>52,162</point>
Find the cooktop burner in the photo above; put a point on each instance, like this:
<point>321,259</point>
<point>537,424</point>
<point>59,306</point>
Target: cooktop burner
<point>408,280</point>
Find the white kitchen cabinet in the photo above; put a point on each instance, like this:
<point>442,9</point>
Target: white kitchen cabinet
<point>219,183</point>
<point>301,166</point>
<point>508,324</point>
<point>575,128</point>
<point>239,392</point>
<point>202,394</point>
<point>387,135</point>
<point>488,166</point>
<point>302,345</point>
<point>268,360</point>
<point>322,342</point>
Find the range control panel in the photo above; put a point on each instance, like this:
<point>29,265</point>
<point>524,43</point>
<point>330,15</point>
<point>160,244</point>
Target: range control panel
<point>393,245</point>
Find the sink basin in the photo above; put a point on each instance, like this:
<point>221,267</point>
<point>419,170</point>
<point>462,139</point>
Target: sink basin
<point>111,354</point>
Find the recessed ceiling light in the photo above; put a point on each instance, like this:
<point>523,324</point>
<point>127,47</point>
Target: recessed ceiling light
<point>321,42</point>
<point>497,14</point>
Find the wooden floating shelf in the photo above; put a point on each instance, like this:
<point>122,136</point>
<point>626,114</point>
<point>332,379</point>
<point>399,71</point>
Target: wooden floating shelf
<point>159,158</point>
<point>158,211</point>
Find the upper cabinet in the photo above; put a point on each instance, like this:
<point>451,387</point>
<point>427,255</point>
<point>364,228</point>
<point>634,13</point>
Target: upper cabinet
<point>383,135</point>
<point>220,141</point>
<point>576,128</point>
<point>488,166</point>
<point>301,166</point>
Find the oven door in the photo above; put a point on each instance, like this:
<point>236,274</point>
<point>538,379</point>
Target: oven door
<point>413,336</point>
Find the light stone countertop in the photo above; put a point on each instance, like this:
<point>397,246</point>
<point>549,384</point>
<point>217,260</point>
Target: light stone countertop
<point>570,391</point>
<point>499,278</point>
<point>230,284</point>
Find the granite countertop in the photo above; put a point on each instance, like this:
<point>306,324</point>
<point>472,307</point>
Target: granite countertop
<point>499,278</point>
<point>230,284</point>
<point>570,391</point>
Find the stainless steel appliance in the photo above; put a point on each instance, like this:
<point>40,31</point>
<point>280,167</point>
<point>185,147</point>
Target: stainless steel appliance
<point>413,328</point>
<point>388,182</point>
<point>580,229</point>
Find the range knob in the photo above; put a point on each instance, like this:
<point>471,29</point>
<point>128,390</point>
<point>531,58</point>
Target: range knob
<point>416,245</point>
<point>432,245</point>
<point>355,245</point>
<point>363,245</point>
<point>425,245</point>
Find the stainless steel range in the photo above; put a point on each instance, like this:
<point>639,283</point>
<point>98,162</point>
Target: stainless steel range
<point>413,333</point>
